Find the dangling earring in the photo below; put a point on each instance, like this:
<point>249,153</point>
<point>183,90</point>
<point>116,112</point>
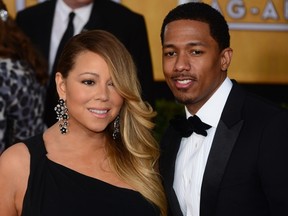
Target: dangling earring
<point>116,128</point>
<point>62,115</point>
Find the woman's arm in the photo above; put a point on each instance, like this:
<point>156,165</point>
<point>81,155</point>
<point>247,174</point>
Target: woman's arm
<point>14,172</point>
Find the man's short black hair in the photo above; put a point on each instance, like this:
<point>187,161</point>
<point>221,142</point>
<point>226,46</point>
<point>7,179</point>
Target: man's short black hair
<point>201,12</point>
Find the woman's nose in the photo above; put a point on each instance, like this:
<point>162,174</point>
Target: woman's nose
<point>102,93</point>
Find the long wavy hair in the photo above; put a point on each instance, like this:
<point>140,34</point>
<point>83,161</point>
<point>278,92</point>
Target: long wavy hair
<point>14,44</point>
<point>135,154</point>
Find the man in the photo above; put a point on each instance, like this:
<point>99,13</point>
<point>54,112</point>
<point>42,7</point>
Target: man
<point>46,22</point>
<point>235,163</point>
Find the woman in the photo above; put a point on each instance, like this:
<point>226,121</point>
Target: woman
<point>101,158</point>
<point>22,84</point>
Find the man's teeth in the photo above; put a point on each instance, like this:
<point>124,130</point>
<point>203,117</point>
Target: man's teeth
<point>183,81</point>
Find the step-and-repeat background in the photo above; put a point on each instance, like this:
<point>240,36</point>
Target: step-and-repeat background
<point>259,34</point>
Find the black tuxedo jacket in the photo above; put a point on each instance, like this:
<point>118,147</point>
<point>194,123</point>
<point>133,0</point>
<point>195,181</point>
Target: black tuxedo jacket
<point>247,169</point>
<point>129,27</point>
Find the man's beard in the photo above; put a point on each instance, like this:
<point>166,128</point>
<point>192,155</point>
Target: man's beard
<point>184,101</point>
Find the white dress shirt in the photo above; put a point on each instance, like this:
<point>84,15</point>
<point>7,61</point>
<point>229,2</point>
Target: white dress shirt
<point>194,150</point>
<point>60,22</point>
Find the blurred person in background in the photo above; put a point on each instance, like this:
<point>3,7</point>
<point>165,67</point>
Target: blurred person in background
<point>45,24</point>
<point>23,74</point>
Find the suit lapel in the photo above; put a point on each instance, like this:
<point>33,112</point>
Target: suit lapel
<point>95,21</point>
<point>45,26</point>
<point>171,141</point>
<point>226,135</point>
<point>47,31</point>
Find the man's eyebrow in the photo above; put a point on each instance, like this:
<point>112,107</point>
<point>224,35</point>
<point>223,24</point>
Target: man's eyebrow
<point>198,43</point>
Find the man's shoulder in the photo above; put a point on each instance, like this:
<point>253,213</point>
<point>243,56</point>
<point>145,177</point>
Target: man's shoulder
<point>116,8</point>
<point>37,9</point>
<point>243,103</point>
<point>252,99</point>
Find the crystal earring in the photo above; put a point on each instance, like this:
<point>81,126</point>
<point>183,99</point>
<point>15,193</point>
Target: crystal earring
<point>62,115</point>
<point>116,128</point>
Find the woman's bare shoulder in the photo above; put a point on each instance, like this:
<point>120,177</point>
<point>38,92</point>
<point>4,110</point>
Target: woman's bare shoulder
<point>14,174</point>
<point>15,159</point>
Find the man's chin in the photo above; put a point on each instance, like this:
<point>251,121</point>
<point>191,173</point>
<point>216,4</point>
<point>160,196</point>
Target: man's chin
<point>183,100</point>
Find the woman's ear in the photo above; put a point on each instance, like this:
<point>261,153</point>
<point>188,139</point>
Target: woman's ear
<point>60,85</point>
<point>226,58</point>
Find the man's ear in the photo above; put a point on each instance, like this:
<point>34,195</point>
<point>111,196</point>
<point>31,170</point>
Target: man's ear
<point>60,85</point>
<point>226,57</point>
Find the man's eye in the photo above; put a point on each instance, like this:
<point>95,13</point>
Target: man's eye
<point>196,52</point>
<point>169,54</point>
<point>88,82</point>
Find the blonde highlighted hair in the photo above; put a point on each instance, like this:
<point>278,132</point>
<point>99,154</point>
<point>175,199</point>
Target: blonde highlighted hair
<point>135,154</point>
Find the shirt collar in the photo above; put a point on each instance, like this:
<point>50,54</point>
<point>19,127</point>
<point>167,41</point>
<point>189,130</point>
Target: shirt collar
<point>82,13</point>
<point>62,10</point>
<point>211,111</point>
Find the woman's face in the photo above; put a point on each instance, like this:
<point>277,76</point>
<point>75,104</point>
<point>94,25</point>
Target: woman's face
<point>91,98</point>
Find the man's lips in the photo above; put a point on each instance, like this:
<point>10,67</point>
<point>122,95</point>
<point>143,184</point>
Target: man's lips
<point>183,83</point>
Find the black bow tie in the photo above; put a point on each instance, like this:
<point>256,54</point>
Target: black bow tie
<point>187,126</point>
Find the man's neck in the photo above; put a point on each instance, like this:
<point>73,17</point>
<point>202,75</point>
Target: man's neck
<point>74,4</point>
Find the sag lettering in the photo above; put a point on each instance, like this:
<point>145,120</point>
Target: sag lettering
<point>236,9</point>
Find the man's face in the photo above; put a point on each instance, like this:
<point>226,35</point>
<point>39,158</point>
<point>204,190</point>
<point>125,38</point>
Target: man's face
<point>193,65</point>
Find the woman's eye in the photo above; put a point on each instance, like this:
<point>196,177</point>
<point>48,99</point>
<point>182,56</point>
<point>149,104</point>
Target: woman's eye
<point>88,82</point>
<point>110,84</point>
